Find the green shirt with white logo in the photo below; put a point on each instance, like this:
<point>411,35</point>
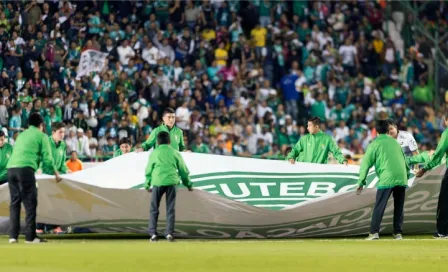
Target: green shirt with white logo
<point>314,148</point>
<point>5,153</point>
<point>176,137</point>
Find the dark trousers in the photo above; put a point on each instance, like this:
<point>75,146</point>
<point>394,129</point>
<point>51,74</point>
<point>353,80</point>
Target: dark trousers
<point>156,197</point>
<point>382,196</point>
<point>442,207</point>
<point>22,188</point>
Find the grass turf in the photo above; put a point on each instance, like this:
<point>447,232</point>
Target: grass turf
<point>88,253</point>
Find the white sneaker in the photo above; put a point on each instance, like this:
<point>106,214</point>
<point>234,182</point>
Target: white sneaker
<point>36,241</point>
<point>154,238</point>
<point>13,241</point>
<point>398,237</point>
<point>170,238</point>
<point>372,237</point>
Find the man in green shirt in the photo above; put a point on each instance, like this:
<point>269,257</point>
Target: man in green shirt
<point>5,153</point>
<point>162,173</point>
<point>176,134</point>
<point>31,145</point>
<point>125,147</point>
<point>442,206</point>
<point>59,153</point>
<point>393,172</point>
<point>315,146</point>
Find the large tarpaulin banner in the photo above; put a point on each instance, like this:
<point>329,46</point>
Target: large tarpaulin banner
<point>233,198</point>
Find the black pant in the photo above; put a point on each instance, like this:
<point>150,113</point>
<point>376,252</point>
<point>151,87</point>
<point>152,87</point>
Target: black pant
<point>22,188</point>
<point>442,207</point>
<point>156,197</point>
<point>382,196</point>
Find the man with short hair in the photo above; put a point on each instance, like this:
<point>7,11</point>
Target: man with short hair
<point>59,153</point>
<point>5,153</point>
<point>162,173</point>
<point>442,205</point>
<point>392,171</point>
<point>31,145</point>
<point>315,146</point>
<point>125,147</point>
<point>404,138</point>
<point>176,134</point>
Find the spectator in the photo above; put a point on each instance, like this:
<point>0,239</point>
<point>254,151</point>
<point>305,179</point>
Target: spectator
<point>74,164</point>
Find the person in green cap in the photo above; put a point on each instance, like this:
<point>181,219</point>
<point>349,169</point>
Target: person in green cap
<point>164,167</point>
<point>176,134</point>
<point>59,153</point>
<point>315,146</point>
<point>125,147</point>
<point>442,205</point>
<point>5,153</point>
<point>386,155</point>
<point>31,146</point>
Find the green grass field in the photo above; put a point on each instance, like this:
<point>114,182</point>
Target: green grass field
<point>420,253</point>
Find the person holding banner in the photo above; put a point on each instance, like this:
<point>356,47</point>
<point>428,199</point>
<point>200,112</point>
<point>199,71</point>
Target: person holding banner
<point>393,172</point>
<point>442,206</point>
<point>5,153</point>
<point>176,134</point>
<point>59,153</point>
<point>31,146</point>
<point>162,177</point>
<point>125,147</point>
<point>315,146</point>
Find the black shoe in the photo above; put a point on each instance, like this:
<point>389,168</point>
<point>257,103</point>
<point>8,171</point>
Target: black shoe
<point>170,238</point>
<point>154,238</point>
<point>36,241</point>
<point>440,236</point>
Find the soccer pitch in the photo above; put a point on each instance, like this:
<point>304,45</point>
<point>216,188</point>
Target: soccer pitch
<point>106,254</point>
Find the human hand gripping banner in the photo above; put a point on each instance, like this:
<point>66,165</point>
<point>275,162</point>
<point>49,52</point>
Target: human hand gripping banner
<point>233,198</point>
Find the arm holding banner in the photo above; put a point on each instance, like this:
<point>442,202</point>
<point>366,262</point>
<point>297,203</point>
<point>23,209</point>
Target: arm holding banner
<point>292,156</point>
<point>367,162</point>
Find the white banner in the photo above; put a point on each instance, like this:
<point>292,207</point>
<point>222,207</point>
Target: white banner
<point>91,61</point>
<point>234,198</point>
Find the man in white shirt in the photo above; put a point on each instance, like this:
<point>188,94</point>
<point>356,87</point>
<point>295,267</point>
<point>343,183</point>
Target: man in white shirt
<point>93,143</point>
<point>151,54</point>
<point>81,145</point>
<point>349,56</point>
<point>341,131</point>
<point>404,138</point>
<point>183,116</point>
<point>125,52</point>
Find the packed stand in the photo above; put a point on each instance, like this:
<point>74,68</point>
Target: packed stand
<point>243,76</point>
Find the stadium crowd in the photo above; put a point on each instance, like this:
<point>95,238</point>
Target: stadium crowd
<point>243,76</point>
